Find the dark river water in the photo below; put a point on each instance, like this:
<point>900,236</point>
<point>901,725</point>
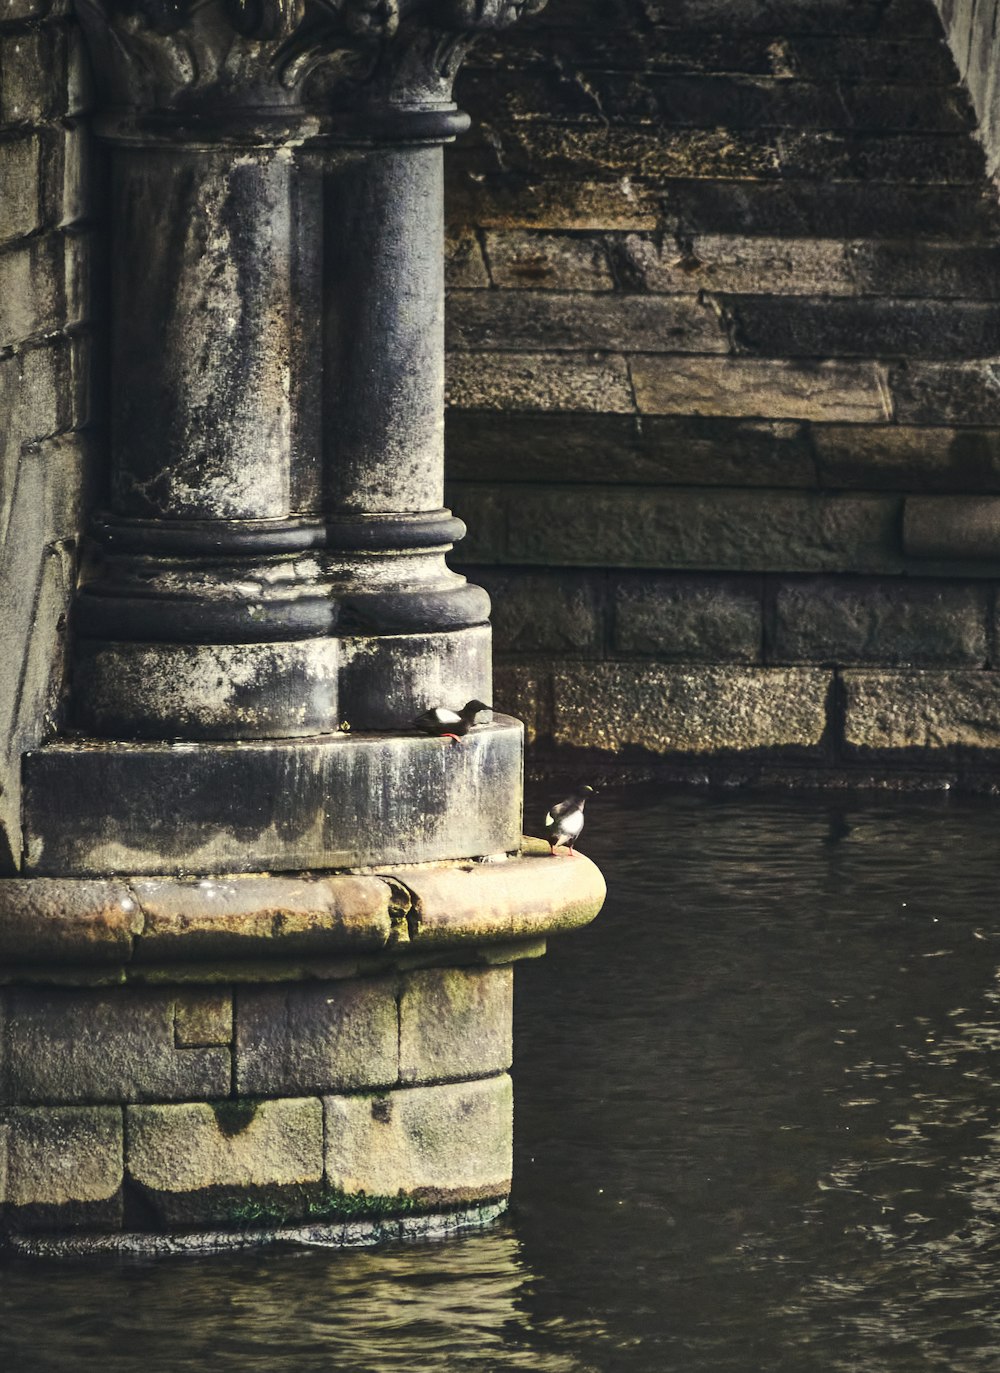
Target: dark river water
<point>758,1129</point>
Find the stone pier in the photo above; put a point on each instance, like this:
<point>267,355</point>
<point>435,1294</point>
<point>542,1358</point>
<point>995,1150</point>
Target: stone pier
<point>256,967</point>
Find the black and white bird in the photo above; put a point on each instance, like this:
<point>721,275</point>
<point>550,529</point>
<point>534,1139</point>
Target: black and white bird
<point>450,724</point>
<point>564,822</point>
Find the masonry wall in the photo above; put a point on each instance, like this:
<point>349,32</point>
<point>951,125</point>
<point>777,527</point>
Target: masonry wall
<point>46,183</point>
<point>723,337</point>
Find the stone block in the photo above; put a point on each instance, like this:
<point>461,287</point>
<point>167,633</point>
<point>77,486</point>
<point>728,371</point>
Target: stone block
<point>855,620</point>
<point>162,809</point>
<point>32,394</point>
<point>257,915</point>
<point>908,458</point>
<point>463,261</point>
<point>316,1037</point>
<point>70,1046</point>
<point>722,262</point>
<point>676,710</point>
<point>688,619</point>
<point>525,898</point>
<point>952,527</point>
<point>512,320</point>
<point>33,83</point>
<point>20,206</point>
<point>537,381</point>
<point>545,611</point>
<point>856,392</point>
<point>526,691</point>
<point>223,1161</point>
<point>821,208</point>
<point>548,261</point>
<point>44,920</point>
<point>584,203</point>
<point>740,531</point>
<point>957,393</point>
<point>925,711</point>
<point>669,450</point>
<point>806,326</point>
<point>31,278</point>
<point>61,1167</point>
<point>917,268</point>
<point>203,1019</point>
<point>455,1023</point>
<point>434,1145</point>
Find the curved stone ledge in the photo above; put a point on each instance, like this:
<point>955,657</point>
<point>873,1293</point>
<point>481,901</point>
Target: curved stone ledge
<point>137,924</point>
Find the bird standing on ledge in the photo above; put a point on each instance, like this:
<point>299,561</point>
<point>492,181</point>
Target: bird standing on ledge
<point>450,724</point>
<point>564,822</point>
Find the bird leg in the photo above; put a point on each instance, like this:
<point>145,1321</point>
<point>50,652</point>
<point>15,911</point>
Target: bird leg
<point>455,738</point>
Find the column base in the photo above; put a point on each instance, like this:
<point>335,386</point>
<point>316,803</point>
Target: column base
<point>254,1060</point>
<point>96,806</point>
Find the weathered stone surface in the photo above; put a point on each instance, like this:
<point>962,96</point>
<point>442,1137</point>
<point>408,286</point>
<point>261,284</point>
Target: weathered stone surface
<point>851,620</point>
<point>952,527</point>
<point>509,203</point>
<point>534,381</point>
<point>907,458</point>
<point>716,262</point>
<point>672,450</point>
<point>693,619</point>
<point>544,611</point>
<point>946,392</point>
<point>61,1167</point>
<point>324,1037</point>
<point>203,1019</point>
<point>432,1144</point>
<point>511,320</point>
<point>853,391</point>
<point>463,261</point>
<point>187,1149</point>
<point>612,706</point>
<point>803,55</point>
<point>20,212</point>
<point>161,809</point>
<point>725,530</point>
<point>731,100</point>
<point>258,914</point>
<point>455,1023</point>
<point>525,690</point>
<point>44,919</point>
<point>524,898</point>
<point>804,326</point>
<point>33,404</point>
<point>547,261</point>
<point>96,1046</point>
<point>929,711</point>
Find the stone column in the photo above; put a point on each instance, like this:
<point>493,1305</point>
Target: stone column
<point>271,561</point>
<point>277,371</point>
<point>211,1020</point>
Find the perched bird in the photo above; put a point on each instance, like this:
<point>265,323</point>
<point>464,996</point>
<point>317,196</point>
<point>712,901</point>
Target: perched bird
<point>564,822</point>
<point>449,724</point>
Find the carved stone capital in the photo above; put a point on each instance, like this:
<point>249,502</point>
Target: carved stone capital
<point>215,57</point>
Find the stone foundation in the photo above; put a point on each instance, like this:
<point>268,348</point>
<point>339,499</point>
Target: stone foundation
<point>238,1058</point>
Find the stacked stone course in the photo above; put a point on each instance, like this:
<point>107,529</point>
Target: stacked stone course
<point>724,415</point>
<point>46,250</point>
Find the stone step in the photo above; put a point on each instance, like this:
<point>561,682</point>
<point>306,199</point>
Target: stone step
<point>831,57</point>
<point>755,325</point>
<point>893,17</point>
<point>735,102</point>
<point>775,266</point>
<point>804,326</point>
<point>874,209</point>
<point>709,450</point>
<point>554,149</point>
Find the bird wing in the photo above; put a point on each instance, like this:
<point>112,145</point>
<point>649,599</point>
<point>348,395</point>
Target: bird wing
<point>560,808</point>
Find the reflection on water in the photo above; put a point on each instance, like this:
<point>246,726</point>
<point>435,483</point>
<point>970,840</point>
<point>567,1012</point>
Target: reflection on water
<point>758,1127</point>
